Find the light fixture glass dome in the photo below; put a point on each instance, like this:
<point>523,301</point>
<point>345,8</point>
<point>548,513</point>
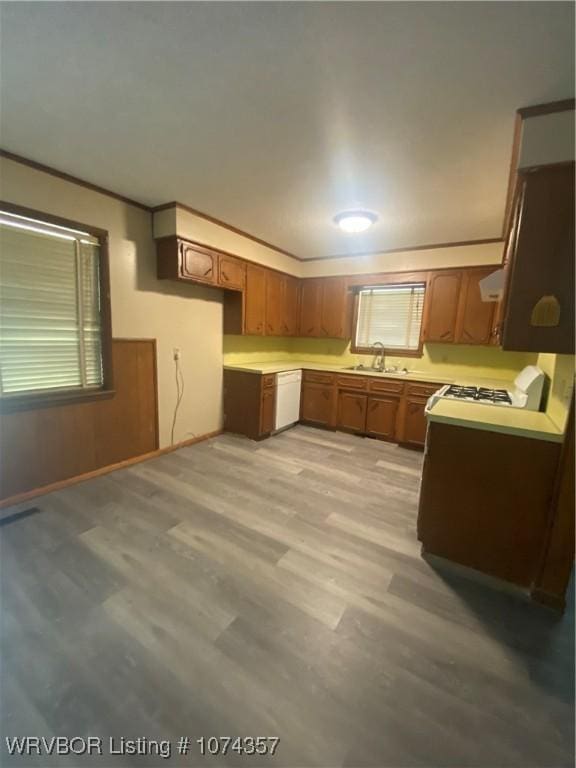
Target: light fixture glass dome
<point>355,221</point>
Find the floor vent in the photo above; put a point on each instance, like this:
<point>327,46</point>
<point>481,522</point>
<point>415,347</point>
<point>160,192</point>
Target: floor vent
<point>15,516</point>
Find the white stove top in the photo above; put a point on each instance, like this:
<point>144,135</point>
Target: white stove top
<point>527,392</point>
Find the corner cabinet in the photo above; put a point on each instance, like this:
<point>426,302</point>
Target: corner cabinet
<point>455,312</point>
<point>539,296</point>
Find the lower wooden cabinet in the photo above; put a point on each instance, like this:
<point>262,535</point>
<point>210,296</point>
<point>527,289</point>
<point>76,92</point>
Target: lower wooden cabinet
<point>352,411</point>
<point>485,500</point>
<point>382,417</point>
<point>414,422</point>
<point>249,403</point>
<point>317,403</point>
<point>268,410</point>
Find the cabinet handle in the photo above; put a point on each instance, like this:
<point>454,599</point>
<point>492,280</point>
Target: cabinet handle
<point>446,333</point>
<point>208,271</point>
<point>225,277</point>
<point>359,404</point>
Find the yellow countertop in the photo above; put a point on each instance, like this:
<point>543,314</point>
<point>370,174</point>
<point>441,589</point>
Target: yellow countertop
<point>285,365</point>
<point>512,421</point>
<point>509,421</point>
<point>425,376</point>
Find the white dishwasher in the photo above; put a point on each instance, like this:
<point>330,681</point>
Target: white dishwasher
<point>288,385</point>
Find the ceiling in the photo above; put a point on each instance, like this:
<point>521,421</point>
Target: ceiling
<point>273,117</point>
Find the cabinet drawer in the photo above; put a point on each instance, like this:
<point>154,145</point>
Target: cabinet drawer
<point>389,386</point>
<point>231,272</point>
<point>352,382</point>
<point>423,390</point>
<point>316,377</point>
<point>269,380</point>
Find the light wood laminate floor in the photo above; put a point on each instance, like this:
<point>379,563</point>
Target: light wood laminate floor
<point>271,589</point>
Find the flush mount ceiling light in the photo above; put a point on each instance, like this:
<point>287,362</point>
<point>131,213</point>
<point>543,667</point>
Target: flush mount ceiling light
<point>355,221</point>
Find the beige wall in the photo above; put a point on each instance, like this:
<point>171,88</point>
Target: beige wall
<point>560,371</point>
<point>432,258</point>
<point>175,315</point>
<point>179,221</point>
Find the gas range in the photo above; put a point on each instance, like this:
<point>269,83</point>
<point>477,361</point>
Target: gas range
<point>525,393</point>
<point>479,394</point>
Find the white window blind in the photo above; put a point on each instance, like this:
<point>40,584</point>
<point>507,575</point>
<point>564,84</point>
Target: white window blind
<point>50,334</point>
<point>390,315</point>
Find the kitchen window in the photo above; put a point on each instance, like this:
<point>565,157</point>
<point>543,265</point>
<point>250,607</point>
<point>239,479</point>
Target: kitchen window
<point>54,309</point>
<point>391,316</point>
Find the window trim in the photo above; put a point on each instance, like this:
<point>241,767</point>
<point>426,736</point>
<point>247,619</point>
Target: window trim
<point>41,398</point>
<point>389,351</point>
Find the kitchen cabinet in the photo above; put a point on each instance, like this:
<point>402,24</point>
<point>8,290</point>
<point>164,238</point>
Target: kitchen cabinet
<point>442,306</point>
<point>334,308</point>
<point>475,320</point>
<point>268,410</point>
<point>178,259</point>
<point>311,308</point>
<point>414,423</point>
<point>352,411</point>
<point>324,308</point>
<point>255,300</point>
<point>249,403</point>
<point>274,304</point>
<point>539,295</point>
<point>382,416</point>
<point>291,305</point>
<point>316,404</point>
<point>231,272</point>
<point>485,500</point>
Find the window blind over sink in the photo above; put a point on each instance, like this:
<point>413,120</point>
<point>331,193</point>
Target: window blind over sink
<point>50,335</point>
<point>390,315</point>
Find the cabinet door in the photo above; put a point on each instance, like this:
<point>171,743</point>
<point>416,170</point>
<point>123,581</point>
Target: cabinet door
<point>317,402</point>
<point>268,410</point>
<point>442,306</point>
<point>414,427</point>
<point>381,417</point>
<point>291,306</point>
<point>334,306</point>
<point>255,300</point>
<point>197,263</point>
<point>310,308</point>
<point>475,317</point>
<point>539,314</point>
<point>274,303</point>
<point>352,411</point>
<point>231,273</point>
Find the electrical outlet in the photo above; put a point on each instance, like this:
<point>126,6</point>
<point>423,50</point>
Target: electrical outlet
<point>177,353</point>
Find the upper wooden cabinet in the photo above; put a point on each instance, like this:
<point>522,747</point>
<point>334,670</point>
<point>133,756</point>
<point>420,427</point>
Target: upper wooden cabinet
<point>254,302</point>
<point>442,306</point>
<point>324,308</point>
<point>179,259</point>
<point>274,303</point>
<point>311,308</point>
<point>475,320</point>
<point>539,300</point>
<point>231,272</point>
<point>291,305</point>
<point>333,319</point>
<point>455,312</point>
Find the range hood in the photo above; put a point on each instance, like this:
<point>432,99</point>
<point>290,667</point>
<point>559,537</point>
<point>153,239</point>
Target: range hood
<point>492,286</point>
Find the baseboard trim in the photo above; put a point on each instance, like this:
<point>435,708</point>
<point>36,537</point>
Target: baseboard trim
<point>555,602</point>
<point>19,498</point>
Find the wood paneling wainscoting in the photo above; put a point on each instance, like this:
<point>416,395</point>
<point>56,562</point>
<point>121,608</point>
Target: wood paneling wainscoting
<point>45,445</point>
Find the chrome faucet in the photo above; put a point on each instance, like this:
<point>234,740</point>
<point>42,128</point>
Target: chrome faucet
<point>379,361</point>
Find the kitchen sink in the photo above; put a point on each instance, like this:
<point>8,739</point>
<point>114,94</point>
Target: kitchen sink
<point>387,371</point>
